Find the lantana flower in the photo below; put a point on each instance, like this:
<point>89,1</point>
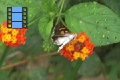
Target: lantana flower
<point>12,37</point>
<point>78,48</point>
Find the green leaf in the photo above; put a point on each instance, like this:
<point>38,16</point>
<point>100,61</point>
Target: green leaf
<point>72,2</point>
<point>62,67</point>
<point>114,69</point>
<point>4,75</point>
<point>32,11</point>
<point>114,54</point>
<point>4,54</point>
<point>2,46</point>
<point>49,27</point>
<point>112,60</point>
<point>98,21</point>
<point>45,26</point>
<point>113,74</point>
<point>114,5</point>
<point>38,74</point>
<point>75,70</point>
<point>94,64</point>
<point>49,8</point>
<point>49,5</point>
<point>3,11</point>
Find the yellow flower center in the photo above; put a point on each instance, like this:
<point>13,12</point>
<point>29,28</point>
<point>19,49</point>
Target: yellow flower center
<point>14,32</point>
<point>14,40</point>
<point>4,30</point>
<point>83,56</point>
<point>3,38</point>
<point>82,38</point>
<point>69,47</point>
<point>85,50</point>
<point>6,37</point>
<point>76,55</point>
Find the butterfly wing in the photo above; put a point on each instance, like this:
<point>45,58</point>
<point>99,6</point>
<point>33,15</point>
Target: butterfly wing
<point>67,39</point>
<point>59,34</point>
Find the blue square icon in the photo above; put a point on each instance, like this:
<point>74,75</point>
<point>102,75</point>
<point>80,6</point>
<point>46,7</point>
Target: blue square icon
<point>16,9</point>
<point>16,24</point>
<point>16,16</point>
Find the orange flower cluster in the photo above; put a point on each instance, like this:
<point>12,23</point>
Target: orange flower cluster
<point>12,37</point>
<point>80,47</point>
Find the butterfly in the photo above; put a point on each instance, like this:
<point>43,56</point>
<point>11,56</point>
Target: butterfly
<point>62,35</point>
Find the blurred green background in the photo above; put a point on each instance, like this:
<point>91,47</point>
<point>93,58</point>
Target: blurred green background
<point>38,58</point>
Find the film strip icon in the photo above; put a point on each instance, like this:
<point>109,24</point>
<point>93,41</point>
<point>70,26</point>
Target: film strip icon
<point>17,17</point>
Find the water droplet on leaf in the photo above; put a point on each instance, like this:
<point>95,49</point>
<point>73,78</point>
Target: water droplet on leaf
<point>103,36</point>
<point>108,31</point>
<point>97,21</point>
<point>104,12</point>
<point>80,22</point>
<point>107,42</point>
<point>30,1</point>
<point>98,32</point>
<point>100,41</point>
<point>94,36</point>
<point>101,24</point>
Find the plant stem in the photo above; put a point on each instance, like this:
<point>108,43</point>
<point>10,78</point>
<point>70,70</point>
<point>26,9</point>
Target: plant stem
<point>4,55</point>
<point>59,14</point>
<point>62,22</point>
<point>33,21</point>
<point>25,61</point>
<point>75,70</point>
<point>61,6</point>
